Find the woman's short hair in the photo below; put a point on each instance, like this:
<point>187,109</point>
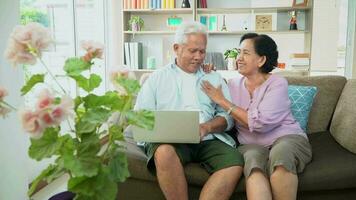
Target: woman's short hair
<point>187,28</point>
<point>264,46</point>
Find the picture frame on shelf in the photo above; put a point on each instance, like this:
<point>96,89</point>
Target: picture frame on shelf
<point>263,23</point>
<point>299,3</point>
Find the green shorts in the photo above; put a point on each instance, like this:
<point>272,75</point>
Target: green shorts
<point>213,155</point>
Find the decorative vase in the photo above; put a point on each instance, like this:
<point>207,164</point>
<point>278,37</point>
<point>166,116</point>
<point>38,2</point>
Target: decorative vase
<point>231,63</point>
<point>185,4</point>
<point>135,27</point>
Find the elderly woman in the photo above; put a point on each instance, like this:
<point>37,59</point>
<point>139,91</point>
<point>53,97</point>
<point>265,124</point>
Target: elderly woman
<point>274,146</point>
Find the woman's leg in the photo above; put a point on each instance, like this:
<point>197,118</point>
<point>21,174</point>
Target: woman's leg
<point>288,156</point>
<point>257,186</point>
<point>257,183</point>
<point>284,184</point>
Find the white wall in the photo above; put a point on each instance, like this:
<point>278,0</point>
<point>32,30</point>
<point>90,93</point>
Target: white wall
<point>13,151</point>
<point>325,35</point>
<point>350,68</point>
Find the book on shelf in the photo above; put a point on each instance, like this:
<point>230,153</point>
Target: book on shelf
<point>202,4</point>
<point>133,55</point>
<point>127,54</point>
<point>203,19</point>
<point>213,23</point>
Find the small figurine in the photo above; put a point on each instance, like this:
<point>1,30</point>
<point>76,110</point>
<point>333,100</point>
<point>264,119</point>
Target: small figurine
<point>224,28</point>
<point>293,21</point>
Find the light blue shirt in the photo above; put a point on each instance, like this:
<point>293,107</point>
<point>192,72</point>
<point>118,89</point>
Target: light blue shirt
<point>163,91</point>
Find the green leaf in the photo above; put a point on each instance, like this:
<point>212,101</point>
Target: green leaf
<point>141,118</point>
<point>75,66</point>
<point>99,187</point>
<point>84,185</point>
<point>118,167</point>
<point>37,78</point>
<point>96,115</point>
<point>85,127</point>
<point>115,132</point>
<point>57,171</point>
<point>77,101</point>
<point>110,99</point>
<point>67,146</point>
<point>87,84</point>
<point>46,146</point>
<point>84,161</point>
<point>45,173</point>
<point>132,86</point>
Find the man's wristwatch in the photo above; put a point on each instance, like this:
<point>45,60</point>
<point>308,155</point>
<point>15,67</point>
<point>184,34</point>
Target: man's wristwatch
<point>231,109</point>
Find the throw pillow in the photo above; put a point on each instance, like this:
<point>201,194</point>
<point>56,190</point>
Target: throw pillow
<point>301,98</point>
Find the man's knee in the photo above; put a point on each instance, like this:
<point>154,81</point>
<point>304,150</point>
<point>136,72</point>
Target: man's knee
<point>165,155</point>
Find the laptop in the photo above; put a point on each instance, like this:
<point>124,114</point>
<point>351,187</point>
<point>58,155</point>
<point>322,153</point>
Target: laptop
<point>171,127</point>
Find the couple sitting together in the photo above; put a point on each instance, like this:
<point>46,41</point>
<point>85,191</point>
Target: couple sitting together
<point>271,147</point>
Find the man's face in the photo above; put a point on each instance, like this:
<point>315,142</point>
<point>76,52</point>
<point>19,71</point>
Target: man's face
<point>191,54</point>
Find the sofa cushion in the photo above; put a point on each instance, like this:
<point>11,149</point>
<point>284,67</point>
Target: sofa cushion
<point>343,126</point>
<point>329,90</point>
<point>301,98</point>
<point>332,166</point>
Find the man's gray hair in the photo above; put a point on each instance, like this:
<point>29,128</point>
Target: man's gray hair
<point>187,28</point>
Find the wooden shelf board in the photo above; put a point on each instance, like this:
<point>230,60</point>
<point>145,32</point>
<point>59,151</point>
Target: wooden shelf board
<point>246,10</point>
<point>160,11</point>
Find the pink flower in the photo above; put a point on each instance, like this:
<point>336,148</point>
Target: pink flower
<point>51,114</point>
<point>94,50</point>
<point>26,43</point>
<point>45,99</point>
<point>63,110</point>
<point>31,123</point>
<point>3,93</point>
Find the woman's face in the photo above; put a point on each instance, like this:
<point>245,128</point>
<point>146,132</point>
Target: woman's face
<point>248,61</point>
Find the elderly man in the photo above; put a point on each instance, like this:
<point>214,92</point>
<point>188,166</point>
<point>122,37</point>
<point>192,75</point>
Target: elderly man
<point>178,86</point>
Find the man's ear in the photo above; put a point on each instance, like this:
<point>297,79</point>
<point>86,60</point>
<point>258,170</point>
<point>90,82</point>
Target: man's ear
<point>175,47</point>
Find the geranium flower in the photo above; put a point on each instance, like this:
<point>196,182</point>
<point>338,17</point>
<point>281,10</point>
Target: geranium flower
<point>26,43</point>
<point>31,123</point>
<point>3,93</point>
<point>4,107</point>
<point>45,99</point>
<point>93,49</point>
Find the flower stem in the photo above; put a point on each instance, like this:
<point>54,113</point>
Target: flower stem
<point>53,77</point>
<point>8,105</point>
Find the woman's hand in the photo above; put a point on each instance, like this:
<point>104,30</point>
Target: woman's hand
<point>207,68</point>
<point>215,94</point>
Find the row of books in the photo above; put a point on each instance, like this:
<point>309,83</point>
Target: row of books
<point>133,55</point>
<point>211,21</point>
<point>202,4</point>
<point>299,60</point>
<point>149,4</point>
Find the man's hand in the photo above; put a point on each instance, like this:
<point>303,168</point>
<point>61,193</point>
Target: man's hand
<point>204,130</point>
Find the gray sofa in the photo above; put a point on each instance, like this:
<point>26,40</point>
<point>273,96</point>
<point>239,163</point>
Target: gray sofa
<point>331,131</point>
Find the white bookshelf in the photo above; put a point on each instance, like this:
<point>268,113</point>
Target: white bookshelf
<point>157,38</point>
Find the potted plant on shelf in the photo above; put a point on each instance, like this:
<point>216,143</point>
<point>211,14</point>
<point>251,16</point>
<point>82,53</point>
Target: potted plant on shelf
<point>230,55</point>
<point>77,131</point>
<point>136,23</point>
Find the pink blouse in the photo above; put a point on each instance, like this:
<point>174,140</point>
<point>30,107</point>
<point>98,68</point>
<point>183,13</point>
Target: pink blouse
<point>269,113</point>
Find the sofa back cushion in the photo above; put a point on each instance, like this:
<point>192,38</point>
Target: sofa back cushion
<point>301,98</point>
<point>343,124</point>
<point>329,90</point>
